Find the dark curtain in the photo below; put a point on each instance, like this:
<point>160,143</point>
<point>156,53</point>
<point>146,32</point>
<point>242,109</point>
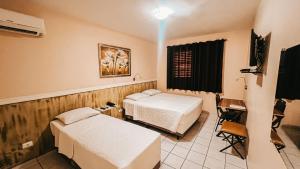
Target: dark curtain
<point>288,83</point>
<point>206,66</point>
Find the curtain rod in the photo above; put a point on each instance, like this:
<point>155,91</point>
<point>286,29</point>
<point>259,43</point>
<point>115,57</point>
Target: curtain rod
<point>198,42</point>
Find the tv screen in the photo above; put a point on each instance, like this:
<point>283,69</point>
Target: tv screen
<point>253,61</point>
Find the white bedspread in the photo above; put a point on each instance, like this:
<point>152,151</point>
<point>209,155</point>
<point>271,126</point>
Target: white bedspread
<point>165,110</point>
<point>105,142</point>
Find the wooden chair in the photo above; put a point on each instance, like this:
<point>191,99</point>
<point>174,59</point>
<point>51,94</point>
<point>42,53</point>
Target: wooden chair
<point>228,114</point>
<point>278,114</point>
<point>236,133</point>
<point>277,141</point>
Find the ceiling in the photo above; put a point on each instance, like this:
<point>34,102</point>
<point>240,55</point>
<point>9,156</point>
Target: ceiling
<point>134,17</point>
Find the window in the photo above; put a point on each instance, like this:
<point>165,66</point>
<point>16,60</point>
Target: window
<point>195,67</point>
<point>182,64</point>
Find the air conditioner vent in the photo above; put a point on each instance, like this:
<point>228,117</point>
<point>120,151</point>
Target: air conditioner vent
<point>19,30</point>
<point>21,23</point>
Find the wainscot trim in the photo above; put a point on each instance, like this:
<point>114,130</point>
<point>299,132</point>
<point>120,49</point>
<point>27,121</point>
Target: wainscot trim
<point>66,92</point>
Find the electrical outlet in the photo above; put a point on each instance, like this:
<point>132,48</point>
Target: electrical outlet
<point>27,144</point>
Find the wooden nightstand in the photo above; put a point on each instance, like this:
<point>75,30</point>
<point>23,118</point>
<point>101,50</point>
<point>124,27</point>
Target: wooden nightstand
<point>116,111</point>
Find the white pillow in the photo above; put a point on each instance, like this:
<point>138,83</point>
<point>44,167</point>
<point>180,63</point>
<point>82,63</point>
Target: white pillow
<point>77,115</point>
<point>136,96</point>
<point>151,92</point>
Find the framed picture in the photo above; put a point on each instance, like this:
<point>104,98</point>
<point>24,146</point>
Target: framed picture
<point>114,61</point>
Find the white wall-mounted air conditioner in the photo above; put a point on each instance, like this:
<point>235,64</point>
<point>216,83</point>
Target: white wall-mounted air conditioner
<point>20,23</point>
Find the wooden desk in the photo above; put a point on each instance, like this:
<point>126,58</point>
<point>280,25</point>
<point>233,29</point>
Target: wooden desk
<point>225,103</point>
<point>241,113</point>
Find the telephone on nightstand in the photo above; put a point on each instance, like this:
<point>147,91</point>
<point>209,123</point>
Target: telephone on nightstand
<point>111,104</point>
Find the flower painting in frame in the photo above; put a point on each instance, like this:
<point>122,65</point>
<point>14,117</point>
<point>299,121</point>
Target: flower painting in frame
<point>114,61</point>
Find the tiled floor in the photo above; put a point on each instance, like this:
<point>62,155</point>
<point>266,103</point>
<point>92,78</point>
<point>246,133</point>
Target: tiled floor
<point>198,149</point>
<point>290,154</point>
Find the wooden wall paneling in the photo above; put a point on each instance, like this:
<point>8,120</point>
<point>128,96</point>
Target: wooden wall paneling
<point>20,124</point>
<point>47,110</point>
<point>25,121</point>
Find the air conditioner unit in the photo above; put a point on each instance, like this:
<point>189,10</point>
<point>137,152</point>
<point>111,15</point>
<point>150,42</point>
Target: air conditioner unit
<point>20,23</point>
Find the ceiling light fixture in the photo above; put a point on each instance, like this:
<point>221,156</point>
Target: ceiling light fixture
<point>162,13</point>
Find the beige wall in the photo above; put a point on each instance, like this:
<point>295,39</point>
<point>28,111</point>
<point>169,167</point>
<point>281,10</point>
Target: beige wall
<point>66,57</point>
<point>235,58</point>
<point>281,17</point>
<point>292,113</point>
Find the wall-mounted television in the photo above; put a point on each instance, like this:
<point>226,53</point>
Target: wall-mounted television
<point>253,61</point>
<point>258,47</point>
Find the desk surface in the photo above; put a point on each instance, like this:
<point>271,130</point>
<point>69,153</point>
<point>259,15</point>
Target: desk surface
<point>225,103</point>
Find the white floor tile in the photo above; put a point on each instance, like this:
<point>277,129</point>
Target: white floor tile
<point>163,155</point>
<point>202,141</point>
<point>237,161</point>
<point>180,151</point>
<point>216,154</point>
<point>295,160</point>
<point>199,148</point>
<point>167,146</point>
<point>185,144</point>
<point>164,166</point>
<point>292,151</point>
<point>196,157</point>
<point>286,161</point>
<point>190,165</point>
<point>214,163</point>
<point>205,135</point>
<point>230,166</point>
<point>174,161</point>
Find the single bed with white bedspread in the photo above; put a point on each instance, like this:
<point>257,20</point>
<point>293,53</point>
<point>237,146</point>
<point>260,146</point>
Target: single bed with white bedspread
<point>104,142</point>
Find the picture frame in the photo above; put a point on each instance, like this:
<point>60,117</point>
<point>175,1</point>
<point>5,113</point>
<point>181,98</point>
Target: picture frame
<point>114,61</point>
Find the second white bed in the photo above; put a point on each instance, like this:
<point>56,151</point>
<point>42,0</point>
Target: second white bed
<point>175,113</point>
<point>105,142</point>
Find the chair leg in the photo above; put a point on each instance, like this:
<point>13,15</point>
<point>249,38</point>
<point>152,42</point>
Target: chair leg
<point>232,143</point>
<point>224,139</point>
<point>218,123</point>
<point>218,135</point>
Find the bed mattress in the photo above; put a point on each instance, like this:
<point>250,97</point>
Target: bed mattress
<point>175,113</point>
<point>105,142</point>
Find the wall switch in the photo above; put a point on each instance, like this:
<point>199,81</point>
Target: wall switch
<point>27,144</point>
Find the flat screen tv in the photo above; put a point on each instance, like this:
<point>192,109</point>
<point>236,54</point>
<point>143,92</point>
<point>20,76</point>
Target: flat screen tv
<point>253,61</point>
<point>258,47</point>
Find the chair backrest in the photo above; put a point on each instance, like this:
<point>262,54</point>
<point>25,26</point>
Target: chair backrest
<point>280,105</point>
<point>218,99</point>
<point>219,110</point>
